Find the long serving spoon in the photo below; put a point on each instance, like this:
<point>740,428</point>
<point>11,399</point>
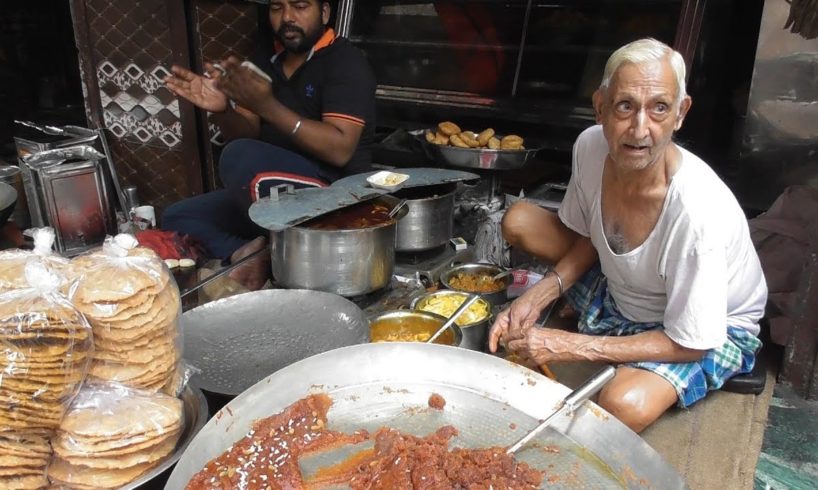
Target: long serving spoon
<point>397,208</point>
<point>460,309</point>
<point>570,403</point>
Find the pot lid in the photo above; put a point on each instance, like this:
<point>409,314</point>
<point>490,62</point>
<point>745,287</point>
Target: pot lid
<point>286,207</point>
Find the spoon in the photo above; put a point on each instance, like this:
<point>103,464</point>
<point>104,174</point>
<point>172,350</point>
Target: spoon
<point>460,309</point>
<point>397,208</point>
<point>502,274</point>
<point>570,402</point>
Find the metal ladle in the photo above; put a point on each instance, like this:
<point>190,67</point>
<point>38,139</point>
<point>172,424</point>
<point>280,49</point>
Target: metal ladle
<point>570,403</point>
<point>502,274</point>
<point>397,208</point>
<point>460,309</point>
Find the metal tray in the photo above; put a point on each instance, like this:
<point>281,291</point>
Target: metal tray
<point>474,157</point>
<point>235,342</point>
<point>196,414</point>
<point>489,400</point>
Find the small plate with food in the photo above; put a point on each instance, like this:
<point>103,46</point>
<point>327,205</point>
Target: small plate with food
<point>388,181</point>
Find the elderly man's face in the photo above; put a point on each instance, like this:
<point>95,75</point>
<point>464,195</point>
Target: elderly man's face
<point>298,24</point>
<point>639,113</point>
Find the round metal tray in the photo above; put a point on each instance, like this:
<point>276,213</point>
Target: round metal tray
<point>474,157</point>
<point>196,414</point>
<point>234,342</point>
<point>489,400</point>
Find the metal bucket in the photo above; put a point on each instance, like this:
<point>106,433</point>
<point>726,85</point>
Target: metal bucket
<point>430,219</point>
<point>345,262</point>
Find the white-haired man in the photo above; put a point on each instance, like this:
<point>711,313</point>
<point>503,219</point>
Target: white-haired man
<point>650,247</point>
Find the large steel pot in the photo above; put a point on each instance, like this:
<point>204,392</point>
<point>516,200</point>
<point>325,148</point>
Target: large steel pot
<point>430,219</point>
<point>345,262</point>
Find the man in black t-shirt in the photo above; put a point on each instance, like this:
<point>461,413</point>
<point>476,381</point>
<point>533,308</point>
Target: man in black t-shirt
<point>306,118</point>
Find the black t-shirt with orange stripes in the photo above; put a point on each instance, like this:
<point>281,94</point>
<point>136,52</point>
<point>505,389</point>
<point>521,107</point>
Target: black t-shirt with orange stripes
<point>335,82</point>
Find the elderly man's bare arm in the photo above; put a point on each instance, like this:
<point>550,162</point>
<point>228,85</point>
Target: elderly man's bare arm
<point>549,345</point>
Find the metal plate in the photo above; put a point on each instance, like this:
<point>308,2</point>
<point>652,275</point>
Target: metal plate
<point>290,209</point>
<point>237,341</point>
<point>389,384</point>
<point>483,158</point>
<point>8,197</point>
<point>196,413</point>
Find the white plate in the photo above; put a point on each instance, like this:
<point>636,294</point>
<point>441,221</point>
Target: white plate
<point>389,181</point>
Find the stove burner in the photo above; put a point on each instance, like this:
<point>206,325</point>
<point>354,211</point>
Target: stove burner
<point>428,265</point>
<point>414,258</point>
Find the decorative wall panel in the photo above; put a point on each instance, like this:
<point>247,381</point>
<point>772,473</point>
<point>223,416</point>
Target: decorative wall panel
<point>126,48</point>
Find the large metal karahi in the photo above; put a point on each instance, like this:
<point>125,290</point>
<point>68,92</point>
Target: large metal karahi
<point>489,400</point>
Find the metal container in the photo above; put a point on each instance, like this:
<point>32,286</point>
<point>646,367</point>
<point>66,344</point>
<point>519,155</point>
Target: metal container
<point>495,298</point>
<point>34,139</point>
<point>8,198</point>
<point>12,175</point>
<point>484,158</point>
<point>474,333</point>
<point>412,326</point>
<point>236,341</point>
<point>345,262</point>
<point>430,219</point>
<point>491,402</point>
<point>69,185</point>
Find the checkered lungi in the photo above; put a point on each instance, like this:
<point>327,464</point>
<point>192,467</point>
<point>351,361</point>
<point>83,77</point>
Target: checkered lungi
<point>598,315</point>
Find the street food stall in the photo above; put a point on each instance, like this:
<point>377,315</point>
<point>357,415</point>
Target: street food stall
<point>366,271</point>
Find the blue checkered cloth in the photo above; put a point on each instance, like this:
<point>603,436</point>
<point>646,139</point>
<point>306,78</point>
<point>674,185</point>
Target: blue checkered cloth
<point>598,315</point>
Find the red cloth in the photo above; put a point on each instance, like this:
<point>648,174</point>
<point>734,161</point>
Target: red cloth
<point>170,245</point>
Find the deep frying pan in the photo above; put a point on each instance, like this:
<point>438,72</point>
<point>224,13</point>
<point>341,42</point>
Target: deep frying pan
<point>8,197</point>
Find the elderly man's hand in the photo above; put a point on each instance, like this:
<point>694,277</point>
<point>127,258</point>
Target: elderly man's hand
<point>516,319</point>
<point>542,345</point>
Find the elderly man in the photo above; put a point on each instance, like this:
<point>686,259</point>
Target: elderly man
<point>650,247</point>
<point>305,116</point>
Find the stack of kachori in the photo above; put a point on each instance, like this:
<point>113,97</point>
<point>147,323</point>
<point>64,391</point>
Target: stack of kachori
<point>112,435</point>
<point>133,304</point>
<point>23,461</point>
<point>45,349</point>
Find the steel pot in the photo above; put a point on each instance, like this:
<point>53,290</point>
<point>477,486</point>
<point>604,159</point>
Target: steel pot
<point>495,298</point>
<point>474,333</point>
<point>345,262</point>
<point>430,219</point>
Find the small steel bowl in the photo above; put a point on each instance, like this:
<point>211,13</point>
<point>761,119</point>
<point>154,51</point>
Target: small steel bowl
<point>494,298</point>
<point>474,333</point>
<point>407,324</point>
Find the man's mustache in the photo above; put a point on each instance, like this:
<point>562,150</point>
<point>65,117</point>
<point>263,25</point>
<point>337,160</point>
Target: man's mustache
<point>287,28</point>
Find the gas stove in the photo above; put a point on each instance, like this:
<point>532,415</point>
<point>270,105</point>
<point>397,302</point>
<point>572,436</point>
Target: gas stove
<point>413,273</point>
<point>427,266</point>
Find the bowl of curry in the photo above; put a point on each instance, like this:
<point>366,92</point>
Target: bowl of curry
<point>412,326</point>
<point>474,322</point>
<point>479,279</point>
